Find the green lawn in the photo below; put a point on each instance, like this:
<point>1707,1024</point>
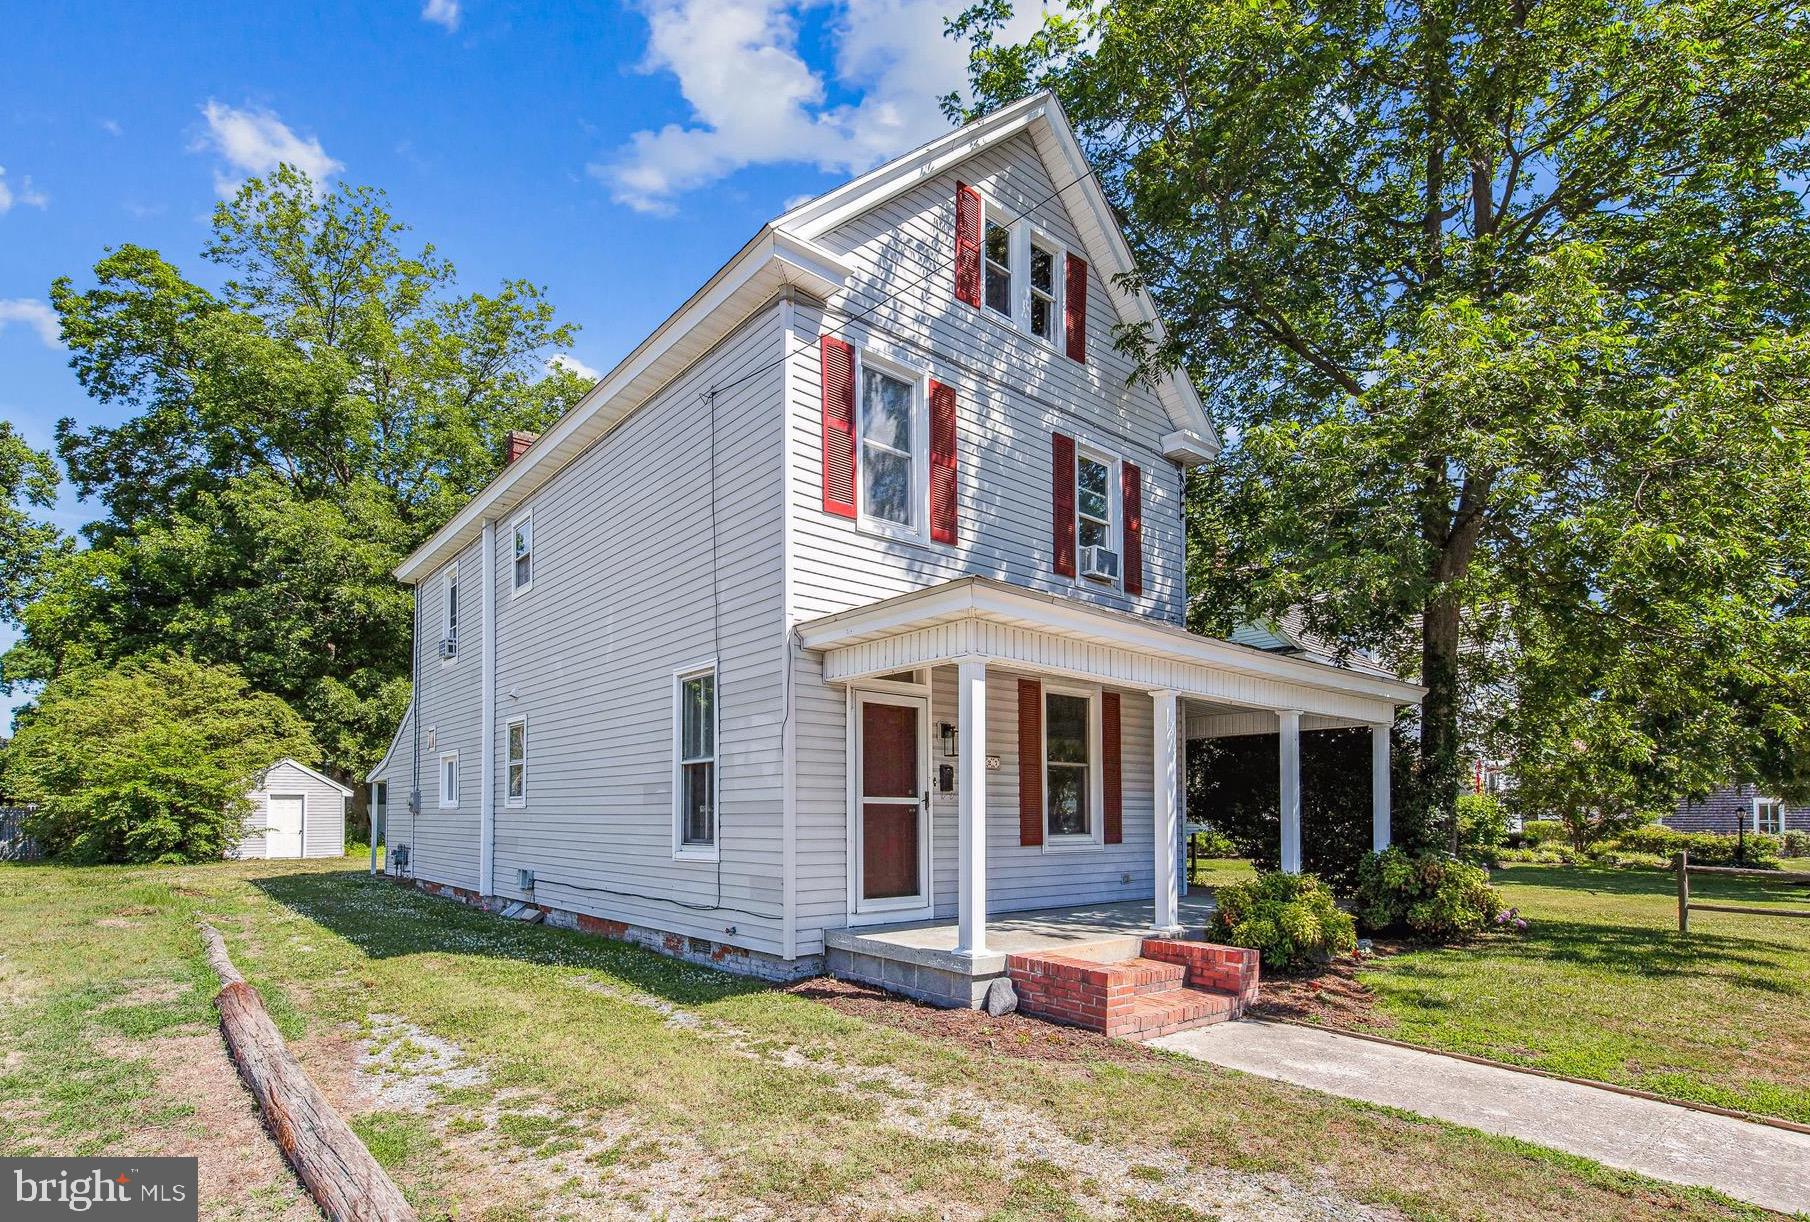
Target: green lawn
<point>1603,986</point>
<point>506,1071</point>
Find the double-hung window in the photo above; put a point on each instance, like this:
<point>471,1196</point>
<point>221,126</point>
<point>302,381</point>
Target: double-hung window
<point>449,780</point>
<point>1093,501</point>
<point>695,767</point>
<point>1043,315</point>
<point>997,255</point>
<point>1768,816</point>
<point>1068,765</point>
<point>449,628</point>
<point>515,770</point>
<point>890,448</point>
<point>523,565</point>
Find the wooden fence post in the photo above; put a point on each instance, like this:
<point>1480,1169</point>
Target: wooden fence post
<point>1681,862</point>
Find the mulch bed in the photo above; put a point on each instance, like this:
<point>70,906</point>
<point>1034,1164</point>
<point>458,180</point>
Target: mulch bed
<point>1012,1035</point>
<point>1331,996</point>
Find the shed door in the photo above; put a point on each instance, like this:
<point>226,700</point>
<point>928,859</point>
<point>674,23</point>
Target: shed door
<point>283,837</point>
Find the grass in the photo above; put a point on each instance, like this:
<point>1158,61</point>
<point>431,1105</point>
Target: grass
<point>589,1098</point>
<point>1603,986</point>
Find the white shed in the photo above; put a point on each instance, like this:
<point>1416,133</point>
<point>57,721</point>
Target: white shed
<point>295,812</point>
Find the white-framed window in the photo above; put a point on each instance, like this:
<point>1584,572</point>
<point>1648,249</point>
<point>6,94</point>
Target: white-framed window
<point>449,780</point>
<point>1768,816</point>
<point>996,260</point>
<point>521,566</point>
<point>694,762</point>
<point>1023,274</point>
<point>449,614</point>
<point>893,434</point>
<point>1093,499</point>
<point>1073,787</point>
<point>1044,280</point>
<point>515,765</point>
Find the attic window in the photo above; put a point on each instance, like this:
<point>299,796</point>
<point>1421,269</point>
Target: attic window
<point>999,268</point>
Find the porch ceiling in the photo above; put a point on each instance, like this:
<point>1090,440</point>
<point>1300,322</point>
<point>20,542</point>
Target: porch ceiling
<point>1023,629</point>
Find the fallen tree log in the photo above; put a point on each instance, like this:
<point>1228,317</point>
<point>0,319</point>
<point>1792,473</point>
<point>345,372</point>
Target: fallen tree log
<point>329,1159</point>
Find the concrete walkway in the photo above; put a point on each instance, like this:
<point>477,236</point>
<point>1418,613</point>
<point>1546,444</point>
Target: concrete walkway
<point>1750,1162</point>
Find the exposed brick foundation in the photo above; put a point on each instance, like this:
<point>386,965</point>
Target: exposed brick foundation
<point>720,955</point>
<point>1172,986</point>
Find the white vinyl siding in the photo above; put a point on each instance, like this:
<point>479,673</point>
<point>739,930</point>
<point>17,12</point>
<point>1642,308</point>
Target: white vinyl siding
<point>324,813</point>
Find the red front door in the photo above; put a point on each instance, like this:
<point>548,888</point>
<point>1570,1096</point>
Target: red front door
<point>892,799</point>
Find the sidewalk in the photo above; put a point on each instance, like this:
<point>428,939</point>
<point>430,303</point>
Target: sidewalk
<point>1750,1162</point>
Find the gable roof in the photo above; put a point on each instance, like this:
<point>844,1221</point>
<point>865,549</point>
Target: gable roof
<point>297,764</point>
<point>785,253</point>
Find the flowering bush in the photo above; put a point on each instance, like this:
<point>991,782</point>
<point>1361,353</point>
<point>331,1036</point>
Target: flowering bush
<point>1435,897</point>
<point>1289,919</point>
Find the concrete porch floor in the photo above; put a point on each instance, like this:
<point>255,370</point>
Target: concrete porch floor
<point>917,958</point>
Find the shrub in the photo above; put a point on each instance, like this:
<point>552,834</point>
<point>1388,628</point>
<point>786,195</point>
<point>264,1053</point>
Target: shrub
<point>1214,843</point>
<point>1706,848</point>
<point>1482,827</point>
<point>148,762</point>
<point>1289,919</point>
<point>1797,844</point>
<point>1541,831</point>
<point>1431,896</point>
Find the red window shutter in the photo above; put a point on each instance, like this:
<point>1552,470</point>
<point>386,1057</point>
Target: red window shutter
<point>838,427</point>
<point>1062,499</point>
<point>1074,307</point>
<point>1110,771</point>
<point>967,244</point>
<point>942,463</point>
<point>1030,762</point>
<point>1133,497</point>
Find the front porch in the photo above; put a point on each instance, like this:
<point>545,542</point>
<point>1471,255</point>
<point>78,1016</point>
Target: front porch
<point>920,959</point>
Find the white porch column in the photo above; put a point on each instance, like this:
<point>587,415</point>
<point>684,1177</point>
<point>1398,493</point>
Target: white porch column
<point>1379,786</point>
<point>971,786</point>
<point>1167,737</point>
<point>1291,790</point>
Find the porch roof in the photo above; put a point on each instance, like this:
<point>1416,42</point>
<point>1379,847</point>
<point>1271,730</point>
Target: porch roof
<point>1026,629</point>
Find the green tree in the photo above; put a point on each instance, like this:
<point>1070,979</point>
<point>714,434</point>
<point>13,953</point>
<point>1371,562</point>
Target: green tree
<point>28,484</point>
<point>1502,308</point>
<point>290,437</point>
<point>149,761</point>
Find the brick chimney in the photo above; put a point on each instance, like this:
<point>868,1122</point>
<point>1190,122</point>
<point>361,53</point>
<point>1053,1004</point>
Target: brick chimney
<point>519,441</point>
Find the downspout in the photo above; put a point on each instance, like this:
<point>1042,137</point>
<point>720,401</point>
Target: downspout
<point>487,719</point>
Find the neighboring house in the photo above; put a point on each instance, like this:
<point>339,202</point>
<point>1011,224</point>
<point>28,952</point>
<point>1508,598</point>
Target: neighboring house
<point>1738,807</point>
<point>853,596</point>
<point>295,812</point>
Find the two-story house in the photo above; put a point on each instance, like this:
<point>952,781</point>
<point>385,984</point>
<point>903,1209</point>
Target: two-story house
<point>851,599</point>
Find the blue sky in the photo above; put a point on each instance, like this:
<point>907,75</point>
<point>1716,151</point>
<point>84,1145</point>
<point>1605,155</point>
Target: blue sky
<point>616,154</point>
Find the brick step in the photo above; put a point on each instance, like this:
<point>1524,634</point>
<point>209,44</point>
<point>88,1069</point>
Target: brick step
<point>1172,986</point>
<point>1179,1009</point>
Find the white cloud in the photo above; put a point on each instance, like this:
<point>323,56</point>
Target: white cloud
<point>22,194</point>
<point>256,141</point>
<point>442,13</point>
<point>34,314</point>
<point>755,100</point>
<point>112,127</point>
<point>572,364</point>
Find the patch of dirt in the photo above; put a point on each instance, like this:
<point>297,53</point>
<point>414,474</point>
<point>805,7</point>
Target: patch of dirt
<point>150,992</point>
<point>403,1067</point>
<point>1331,996</point>
<point>119,923</point>
<point>1012,1035</point>
<point>241,1173</point>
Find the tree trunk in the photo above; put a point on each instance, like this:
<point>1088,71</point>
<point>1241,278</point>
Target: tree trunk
<point>1439,747</point>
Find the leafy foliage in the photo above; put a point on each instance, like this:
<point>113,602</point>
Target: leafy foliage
<point>1706,848</point>
<point>1482,827</point>
<point>1234,782</point>
<point>28,482</point>
<point>149,761</point>
<point>1429,895</point>
<point>1502,308</point>
<point>289,438</point>
<point>1290,919</point>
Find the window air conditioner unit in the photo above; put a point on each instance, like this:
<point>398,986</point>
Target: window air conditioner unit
<point>1101,563</point>
<point>449,647</point>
